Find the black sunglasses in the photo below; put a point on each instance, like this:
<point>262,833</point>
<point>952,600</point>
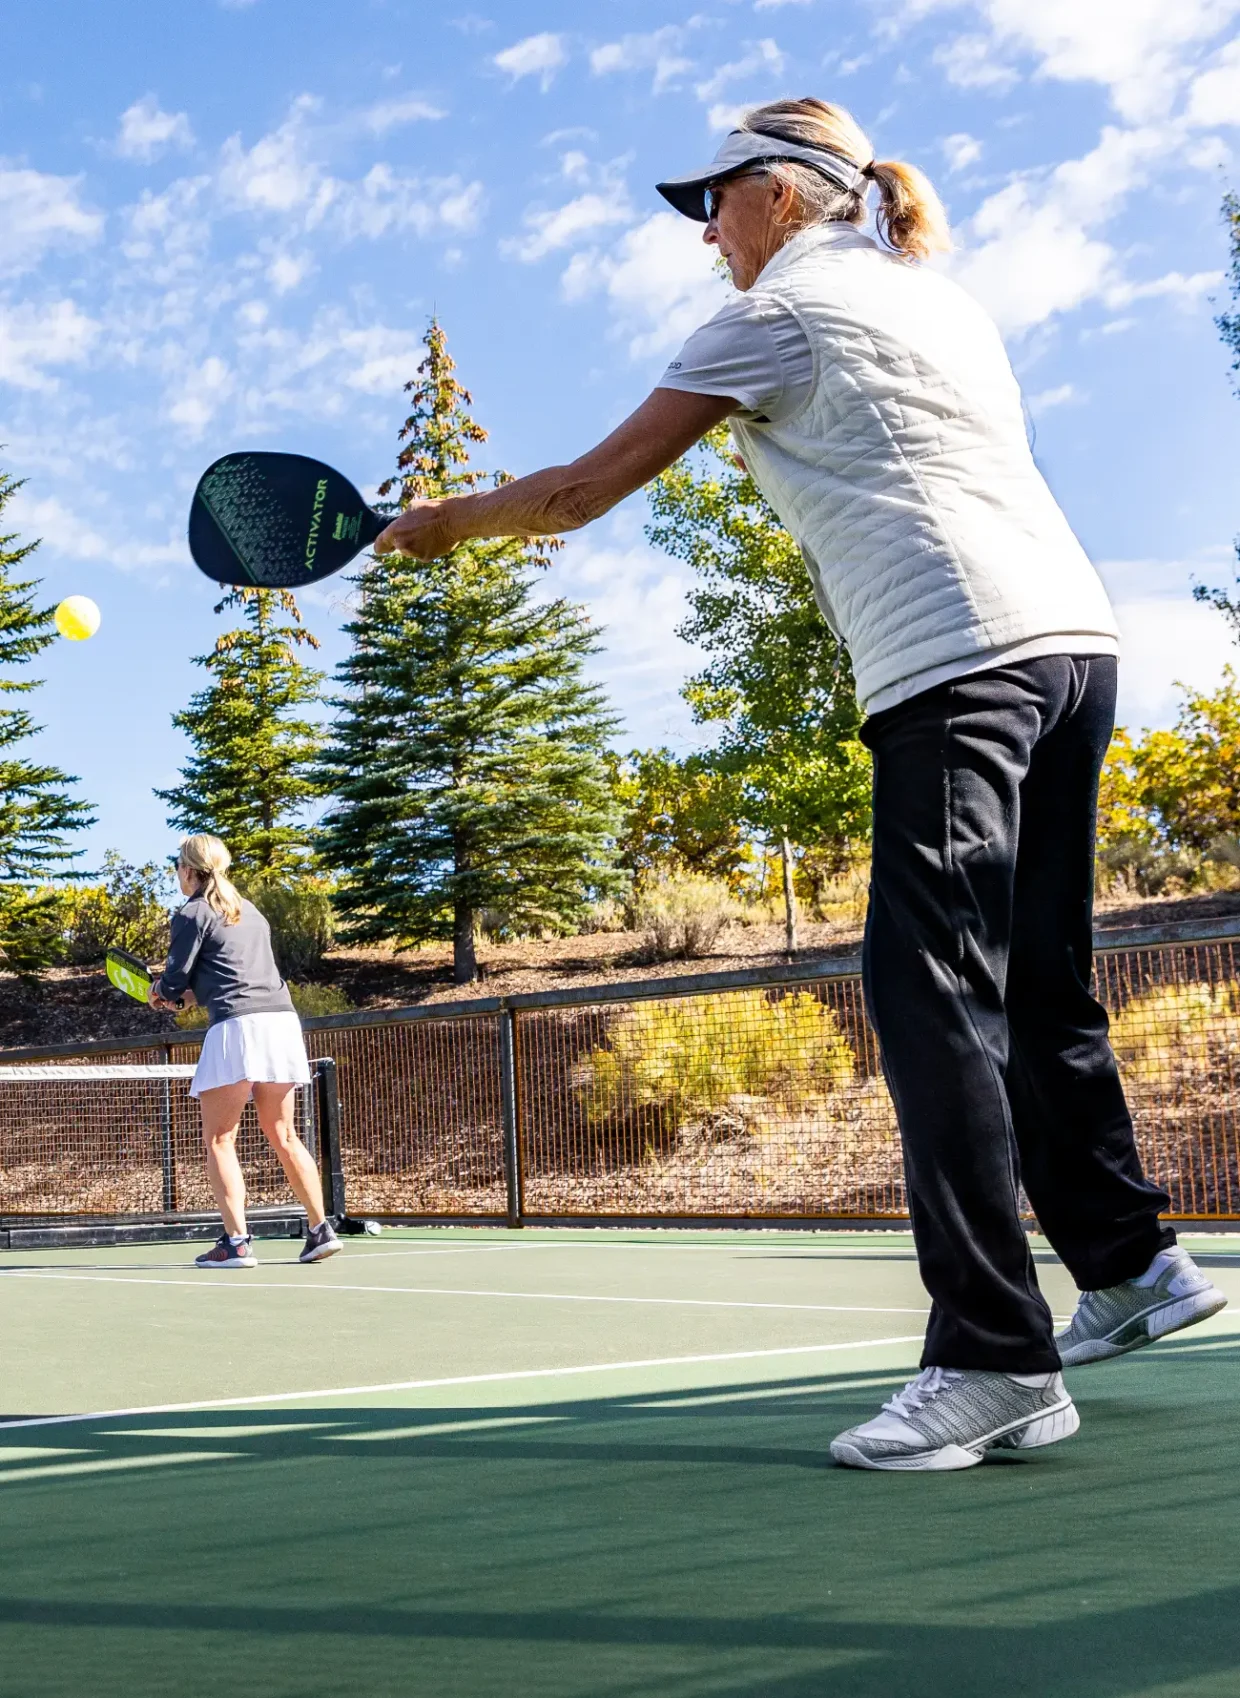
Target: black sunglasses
<point>714,196</point>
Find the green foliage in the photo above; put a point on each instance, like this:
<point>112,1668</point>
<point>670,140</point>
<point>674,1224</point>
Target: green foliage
<point>128,910</point>
<point>672,1062</point>
<point>1190,777</point>
<point>682,915</point>
<point>777,683</point>
<point>680,816</point>
<point>301,917</point>
<point>251,775</point>
<point>467,759</point>
<point>37,814</point>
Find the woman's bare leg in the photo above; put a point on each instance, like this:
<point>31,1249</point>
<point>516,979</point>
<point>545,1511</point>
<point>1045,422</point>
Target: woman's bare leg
<point>221,1111</point>
<point>276,1106</point>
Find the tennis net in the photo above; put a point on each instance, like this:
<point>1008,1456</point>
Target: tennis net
<point>124,1142</point>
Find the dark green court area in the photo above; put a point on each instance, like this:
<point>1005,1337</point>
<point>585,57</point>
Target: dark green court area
<point>582,1465</point>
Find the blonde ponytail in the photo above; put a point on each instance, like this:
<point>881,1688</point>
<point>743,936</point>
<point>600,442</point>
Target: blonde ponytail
<point>209,858</point>
<point>910,216</point>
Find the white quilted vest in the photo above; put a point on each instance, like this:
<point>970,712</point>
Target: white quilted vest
<point>934,545</point>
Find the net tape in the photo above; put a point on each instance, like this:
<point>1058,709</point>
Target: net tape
<point>88,1075</point>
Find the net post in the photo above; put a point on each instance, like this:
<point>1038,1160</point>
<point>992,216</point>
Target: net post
<point>510,1114</point>
<point>165,1128</point>
<point>327,1105</point>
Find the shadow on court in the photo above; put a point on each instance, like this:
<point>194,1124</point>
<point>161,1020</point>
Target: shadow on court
<point>669,1544</point>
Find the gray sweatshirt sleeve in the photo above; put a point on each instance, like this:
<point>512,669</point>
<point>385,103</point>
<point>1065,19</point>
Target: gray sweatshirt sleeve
<point>188,931</point>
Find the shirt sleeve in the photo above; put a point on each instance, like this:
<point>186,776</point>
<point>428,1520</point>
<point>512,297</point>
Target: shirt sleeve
<point>754,352</point>
<point>187,936</point>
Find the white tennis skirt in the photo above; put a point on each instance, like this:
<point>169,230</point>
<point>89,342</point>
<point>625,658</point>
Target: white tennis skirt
<point>260,1048</point>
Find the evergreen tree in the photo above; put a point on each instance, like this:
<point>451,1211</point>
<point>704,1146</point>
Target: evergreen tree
<point>467,761</point>
<point>37,815</point>
<point>251,776</point>
<point>776,682</point>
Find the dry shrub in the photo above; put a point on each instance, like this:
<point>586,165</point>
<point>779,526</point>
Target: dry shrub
<point>1176,1033</point>
<point>675,1062</point>
<point>682,917</point>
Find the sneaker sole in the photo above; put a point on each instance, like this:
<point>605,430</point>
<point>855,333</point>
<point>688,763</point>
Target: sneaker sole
<point>1158,1321</point>
<point>1048,1428</point>
<point>226,1266</point>
<point>322,1253</point>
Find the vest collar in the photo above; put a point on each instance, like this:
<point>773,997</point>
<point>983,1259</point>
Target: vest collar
<point>817,238</point>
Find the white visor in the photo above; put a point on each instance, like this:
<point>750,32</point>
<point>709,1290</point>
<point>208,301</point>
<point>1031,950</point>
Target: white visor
<point>743,149</point>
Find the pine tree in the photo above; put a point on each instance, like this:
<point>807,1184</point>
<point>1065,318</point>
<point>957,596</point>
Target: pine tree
<point>251,776</point>
<point>37,815</point>
<point>467,761</point>
<point>1228,602</point>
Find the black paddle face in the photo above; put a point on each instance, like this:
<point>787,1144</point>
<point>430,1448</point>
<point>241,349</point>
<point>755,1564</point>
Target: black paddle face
<point>276,521</point>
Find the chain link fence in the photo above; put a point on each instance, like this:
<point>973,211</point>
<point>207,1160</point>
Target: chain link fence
<point>751,1096</point>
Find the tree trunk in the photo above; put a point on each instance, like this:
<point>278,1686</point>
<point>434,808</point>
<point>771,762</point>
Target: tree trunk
<point>464,955</point>
<point>790,898</point>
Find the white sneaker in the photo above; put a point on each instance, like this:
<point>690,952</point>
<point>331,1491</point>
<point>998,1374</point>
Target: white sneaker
<point>1171,1294</point>
<point>950,1417</point>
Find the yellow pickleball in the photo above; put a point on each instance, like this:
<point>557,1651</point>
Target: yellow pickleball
<point>77,618</point>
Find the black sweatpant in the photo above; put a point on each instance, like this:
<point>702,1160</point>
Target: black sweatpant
<point>978,950</point>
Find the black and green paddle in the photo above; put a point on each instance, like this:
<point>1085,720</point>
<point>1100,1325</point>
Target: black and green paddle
<point>128,974</point>
<point>277,521</point>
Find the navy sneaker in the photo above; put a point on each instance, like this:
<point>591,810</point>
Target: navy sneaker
<point>224,1254</point>
<point>321,1243</point>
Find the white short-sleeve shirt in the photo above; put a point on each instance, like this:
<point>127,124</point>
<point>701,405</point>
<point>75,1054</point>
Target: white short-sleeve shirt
<point>754,351</point>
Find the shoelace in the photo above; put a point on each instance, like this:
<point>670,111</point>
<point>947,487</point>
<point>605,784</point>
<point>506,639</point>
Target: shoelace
<point>928,1385</point>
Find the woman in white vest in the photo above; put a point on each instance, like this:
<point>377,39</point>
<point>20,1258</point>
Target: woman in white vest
<point>874,406</point>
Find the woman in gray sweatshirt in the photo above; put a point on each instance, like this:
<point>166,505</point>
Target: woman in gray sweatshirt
<point>221,958</point>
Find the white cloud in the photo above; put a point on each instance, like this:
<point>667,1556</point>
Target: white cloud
<point>286,271</point>
<point>146,131</point>
<point>384,202</point>
<point>774,5</point>
<point>658,278</point>
<point>637,597</point>
<point>38,212</point>
<point>277,173</point>
<point>1215,94</point>
<point>1164,639</point>
<point>538,56</point>
<point>35,337</point>
<point>390,114</point>
<point>762,56</point>
<point>198,393</point>
<point>961,150</point>
<point>561,227</point>
<point>1144,52</point>
<point>969,62</point>
<point>1032,249</point>
<point>659,51</point>
<point>1045,399</point>
<point>724,116</point>
<point>1186,290</point>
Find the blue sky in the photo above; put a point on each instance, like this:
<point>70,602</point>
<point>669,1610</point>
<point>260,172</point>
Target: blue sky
<point>225,225</point>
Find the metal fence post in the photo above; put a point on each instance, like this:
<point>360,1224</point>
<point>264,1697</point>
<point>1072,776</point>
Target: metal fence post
<point>327,1105</point>
<point>165,1127</point>
<point>510,1113</point>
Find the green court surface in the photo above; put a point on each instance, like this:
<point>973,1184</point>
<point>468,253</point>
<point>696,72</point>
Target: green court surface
<point>577,1465</point>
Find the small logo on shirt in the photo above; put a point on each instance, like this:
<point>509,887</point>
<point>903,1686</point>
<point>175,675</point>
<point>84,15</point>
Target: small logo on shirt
<point>675,365</point>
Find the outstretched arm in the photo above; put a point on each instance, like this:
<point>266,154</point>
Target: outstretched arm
<point>563,498</point>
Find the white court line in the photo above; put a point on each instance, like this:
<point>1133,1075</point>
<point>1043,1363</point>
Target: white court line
<point>453,1380</point>
<point>455,1291</point>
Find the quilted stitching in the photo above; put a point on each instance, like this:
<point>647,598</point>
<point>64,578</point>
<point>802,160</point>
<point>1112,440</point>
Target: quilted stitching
<point>928,529</point>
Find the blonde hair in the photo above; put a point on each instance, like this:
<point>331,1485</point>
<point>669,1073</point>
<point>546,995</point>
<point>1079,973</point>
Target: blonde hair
<point>207,856</point>
<point>910,216</point>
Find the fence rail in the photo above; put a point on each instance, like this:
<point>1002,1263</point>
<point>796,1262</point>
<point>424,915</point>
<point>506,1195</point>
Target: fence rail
<point>745,1097</point>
